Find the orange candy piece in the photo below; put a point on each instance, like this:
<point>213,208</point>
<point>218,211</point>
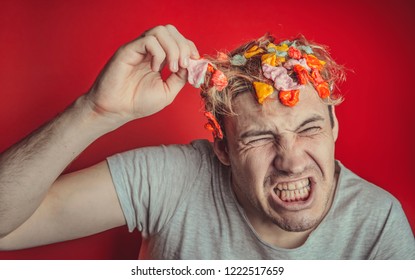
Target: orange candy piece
<point>219,80</point>
<point>302,74</point>
<point>210,68</point>
<point>317,78</point>
<point>253,51</point>
<point>294,53</point>
<point>213,125</point>
<point>289,97</point>
<point>262,90</point>
<point>314,62</point>
<point>323,90</point>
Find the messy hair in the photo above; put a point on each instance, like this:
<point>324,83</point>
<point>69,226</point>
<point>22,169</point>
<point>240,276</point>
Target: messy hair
<point>241,77</point>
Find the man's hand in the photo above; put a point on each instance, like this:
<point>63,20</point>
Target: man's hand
<point>37,207</point>
<point>130,86</point>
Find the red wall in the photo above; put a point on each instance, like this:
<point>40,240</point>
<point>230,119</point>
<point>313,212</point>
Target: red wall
<point>51,52</point>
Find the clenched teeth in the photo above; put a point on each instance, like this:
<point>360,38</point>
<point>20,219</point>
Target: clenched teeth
<point>293,191</point>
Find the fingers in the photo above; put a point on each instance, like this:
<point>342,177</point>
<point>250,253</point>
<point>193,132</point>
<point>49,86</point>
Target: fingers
<point>176,47</point>
<point>174,83</point>
<point>187,47</point>
<point>165,44</point>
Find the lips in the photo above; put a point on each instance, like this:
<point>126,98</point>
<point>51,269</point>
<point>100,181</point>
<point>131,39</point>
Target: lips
<point>293,191</point>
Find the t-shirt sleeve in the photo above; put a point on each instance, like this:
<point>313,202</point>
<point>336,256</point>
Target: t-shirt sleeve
<point>396,240</point>
<point>152,182</point>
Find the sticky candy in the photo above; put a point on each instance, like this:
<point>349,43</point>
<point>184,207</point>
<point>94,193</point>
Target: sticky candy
<point>238,60</point>
<point>313,61</point>
<point>210,68</point>
<point>269,58</point>
<point>317,79</point>
<point>306,49</point>
<point>272,59</point>
<point>289,66</point>
<point>219,80</point>
<point>253,51</point>
<point>222,56</point>
<point>294,53</point>
<point>213,125</point>
<point>262,90</point>
<point>290,97</point>
<point>323,90</point>
<point>279,48</point>
<point>302,74</point>
<point>292,62</point>
<point>280,77</point>
<point>197,71</point>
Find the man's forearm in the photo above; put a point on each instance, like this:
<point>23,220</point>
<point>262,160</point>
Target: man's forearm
<point>29,168</point>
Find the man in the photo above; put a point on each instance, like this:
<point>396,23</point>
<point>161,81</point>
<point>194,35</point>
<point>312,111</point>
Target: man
<point>267,188</point>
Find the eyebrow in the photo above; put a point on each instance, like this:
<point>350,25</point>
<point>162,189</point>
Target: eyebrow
<point>252,133</point>
<point>311,119</point>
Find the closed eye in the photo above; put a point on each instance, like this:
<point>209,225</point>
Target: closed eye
<point>260,141</point>
<point>310,131</point>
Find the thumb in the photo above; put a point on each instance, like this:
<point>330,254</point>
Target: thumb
<point>175,82</point>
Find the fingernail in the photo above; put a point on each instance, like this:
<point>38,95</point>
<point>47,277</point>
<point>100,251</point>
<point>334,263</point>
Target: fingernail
<point>186,62</point>
<point>195,55</point>
<point>174,66</point>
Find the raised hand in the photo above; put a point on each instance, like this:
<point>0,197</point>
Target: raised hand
<point>130,86</point>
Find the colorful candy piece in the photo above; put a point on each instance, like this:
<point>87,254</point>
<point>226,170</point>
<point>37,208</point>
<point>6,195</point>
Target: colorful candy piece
<point>254,50</point>
<point>280,77</point>
<point>294,53</point>
<point>306,49</point>
<point>197,72</point>
<point>219,80</point>
<point>270,59</point>
<point>289,97</point>
<point>262,90</point>
<point>291,62</point>
<point>317,78</point>
<point>313,61</point>
<point>279,48</point>
<point>323,90</point>
<point>213,125</point>
<point>210,68</point>
<point>222,56</point>
<point>302,74</point>
<point>238,60</point>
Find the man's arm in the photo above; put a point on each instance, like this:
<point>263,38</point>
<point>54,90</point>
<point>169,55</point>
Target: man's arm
<point>37,207</point>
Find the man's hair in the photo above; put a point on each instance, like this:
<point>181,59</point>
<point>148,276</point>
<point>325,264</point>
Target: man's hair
<point>241,77</point>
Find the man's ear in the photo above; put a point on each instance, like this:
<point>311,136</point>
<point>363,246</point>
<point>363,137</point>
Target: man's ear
<point>221,150</point>
<point>335,127</point>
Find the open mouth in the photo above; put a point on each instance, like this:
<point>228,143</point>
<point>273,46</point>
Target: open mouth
<point>294,191</point>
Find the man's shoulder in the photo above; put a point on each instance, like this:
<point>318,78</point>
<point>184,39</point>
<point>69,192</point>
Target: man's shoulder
<point>353,187</point>
<point>203,145</point>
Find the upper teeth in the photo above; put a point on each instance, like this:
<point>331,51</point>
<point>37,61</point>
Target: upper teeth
<point>297,185</point>
<point>293,191</point>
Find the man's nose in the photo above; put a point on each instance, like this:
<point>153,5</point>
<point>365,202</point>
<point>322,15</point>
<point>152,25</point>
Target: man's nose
<point>290,157</point>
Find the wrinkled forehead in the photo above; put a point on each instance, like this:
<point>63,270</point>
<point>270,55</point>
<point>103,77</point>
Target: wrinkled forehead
<point>272,113</point>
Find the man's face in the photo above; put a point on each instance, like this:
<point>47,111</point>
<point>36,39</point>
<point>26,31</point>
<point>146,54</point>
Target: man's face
<point>282,160</point>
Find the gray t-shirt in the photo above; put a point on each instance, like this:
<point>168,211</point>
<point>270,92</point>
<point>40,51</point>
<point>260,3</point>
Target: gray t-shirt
<point>180,199</point>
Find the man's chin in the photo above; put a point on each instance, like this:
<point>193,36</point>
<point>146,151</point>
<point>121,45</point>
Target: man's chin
<point>296,225</point>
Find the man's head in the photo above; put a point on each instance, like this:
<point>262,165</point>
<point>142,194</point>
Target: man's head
<point>280,150</point>
<point>243,73</point>
<point>282,159</point>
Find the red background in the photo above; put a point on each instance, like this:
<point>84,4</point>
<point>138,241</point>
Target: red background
<point>51,52</point>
